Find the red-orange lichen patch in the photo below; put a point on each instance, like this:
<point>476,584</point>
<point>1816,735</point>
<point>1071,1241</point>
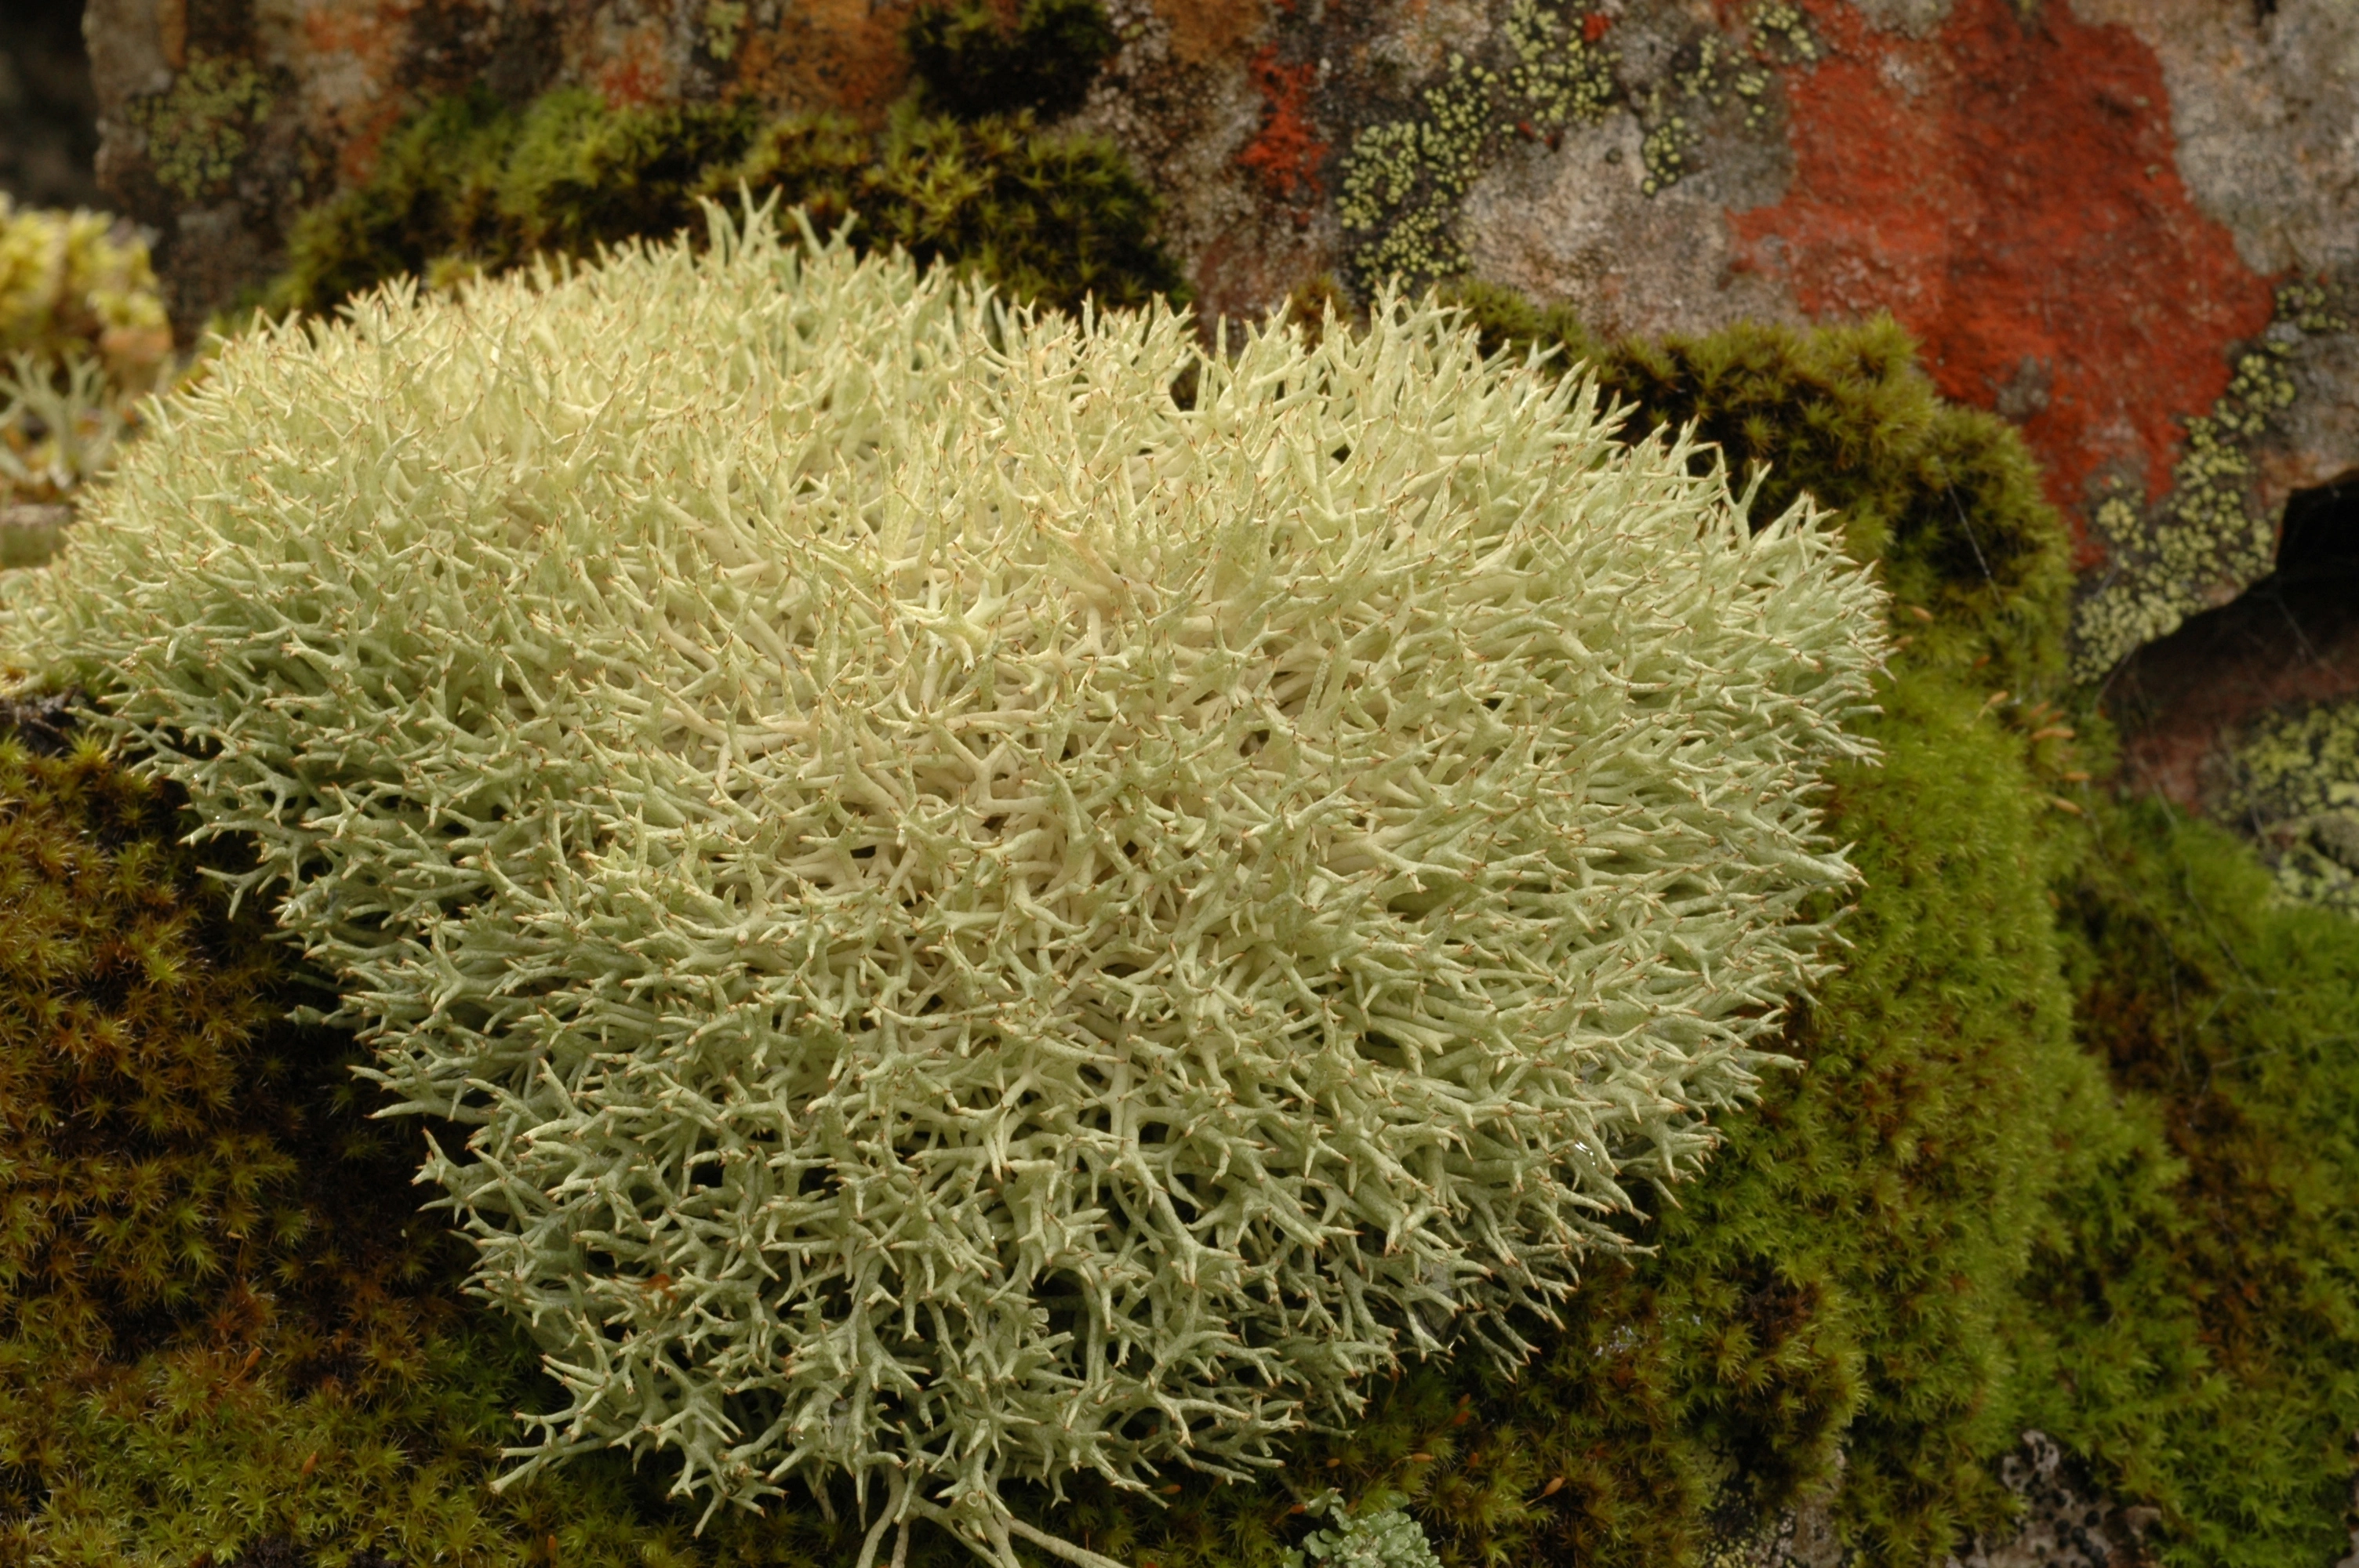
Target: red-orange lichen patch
<point>370,34</point>
<point>2007,191</point>
<point>1207,30</point>
<point>827,54</point>
<point>1287,151</point>
<point>371,38</point>
<point>356,157</point>
<point>640,69</point>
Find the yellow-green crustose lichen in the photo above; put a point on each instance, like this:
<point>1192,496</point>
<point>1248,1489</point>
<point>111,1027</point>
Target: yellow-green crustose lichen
<point>1665,153</point>
<point>2167,562</point>
<point>196,129</point>
<point>1779,27</point>
<point>1403,179</point>
<point>722,20</point>
<point>1557,79</point>
<point>1779,34</point>
<point>2298,786</point>
<point>1672,136</point>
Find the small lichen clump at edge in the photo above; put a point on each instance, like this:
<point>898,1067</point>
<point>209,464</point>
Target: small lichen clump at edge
<point>2298,788</point>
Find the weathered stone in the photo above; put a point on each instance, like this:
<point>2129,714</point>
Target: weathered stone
<point>1800,1537</point>
<point>2063,1524</point>
<point>44,725</point>
<point>1574,223</point>
<point>47,116</point>
<point>1180,99</point>
<point>31,534</point>
<point>222,119</point>
<point>2291,642</point>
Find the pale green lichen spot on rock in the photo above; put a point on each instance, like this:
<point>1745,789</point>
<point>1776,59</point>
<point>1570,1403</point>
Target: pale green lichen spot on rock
<point>2298,789</point>
<point>196,129</point>
<point>2204,540</point>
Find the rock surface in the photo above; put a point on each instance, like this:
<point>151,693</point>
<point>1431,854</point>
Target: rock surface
<point>48,132</point>
<point>2062,1524</point>
<point>2293,640</point>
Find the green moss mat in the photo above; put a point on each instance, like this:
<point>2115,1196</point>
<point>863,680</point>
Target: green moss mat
<point>472,186</point>
<point>2199,1337</point>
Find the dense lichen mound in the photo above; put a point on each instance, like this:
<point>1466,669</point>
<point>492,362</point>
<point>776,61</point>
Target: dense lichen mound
<point>77,281</point>
<point>81,335</point>
<point>990,925</point>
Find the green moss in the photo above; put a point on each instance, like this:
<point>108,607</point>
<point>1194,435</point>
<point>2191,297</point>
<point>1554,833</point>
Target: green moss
<point>434,192</point>
<point>469,181</point>
<point>2170,560</point>
<point>197,1228</point>
<point>2199,1337</point>
<point>196,129</point>
<point>472,187</point>
<point>580,174</point>
<point>2167,1279</point>
<point>1047,218</point>
<point>972,66</point>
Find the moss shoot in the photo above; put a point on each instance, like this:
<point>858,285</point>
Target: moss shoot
<point>471,187</point>
<point>974,66</point>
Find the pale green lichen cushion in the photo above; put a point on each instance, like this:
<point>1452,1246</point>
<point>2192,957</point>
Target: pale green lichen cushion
<point>989,924</point>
